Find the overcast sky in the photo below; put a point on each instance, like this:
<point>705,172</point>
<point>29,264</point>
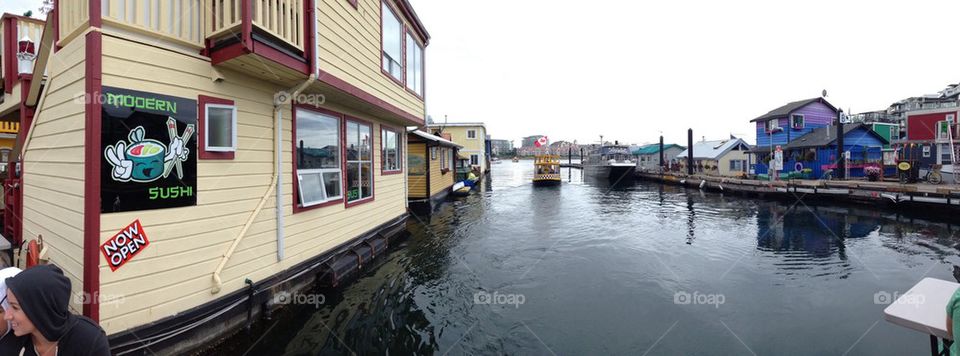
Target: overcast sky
<point>631,69</point>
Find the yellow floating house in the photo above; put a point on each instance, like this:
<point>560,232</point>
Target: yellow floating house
<point>187,159</point>
<point>470,135</point>
<point>430,164</point>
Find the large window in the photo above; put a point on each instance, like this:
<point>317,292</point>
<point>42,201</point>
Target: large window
<point>797,121</point>
<point>392,45</point>
<point>317,158</point>
<point>359,161</point>
<point>773,125</point>
<point>390,150</point>
<point>414,66</point>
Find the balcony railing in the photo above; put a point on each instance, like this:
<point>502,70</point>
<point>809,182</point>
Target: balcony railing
<point>190,22</point>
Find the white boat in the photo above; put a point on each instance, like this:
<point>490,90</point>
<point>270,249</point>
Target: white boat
<point>613,162</point>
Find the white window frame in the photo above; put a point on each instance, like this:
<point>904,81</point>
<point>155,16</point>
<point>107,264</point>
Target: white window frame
<point>773,125</point>
<point>803,121</point>
<point>926,151</point>
<point>894,132</point>
<point>207,128</point>
<point>945,155</point>
<point>474,157</point>
<point>322,171</point>
<point>387,60</point>
<point>472,131</point>
<point>383,151</point>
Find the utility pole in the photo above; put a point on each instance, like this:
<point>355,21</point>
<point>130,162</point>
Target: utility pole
<point>690,152</point>
<point>841,152</point>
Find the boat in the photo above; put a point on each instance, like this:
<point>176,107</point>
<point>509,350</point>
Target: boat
<point>460,189</point>
<point>546,170</point>
<point>613,162</point>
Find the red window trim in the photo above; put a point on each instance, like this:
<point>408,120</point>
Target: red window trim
<point>202,153</point>
<point>403,49</point>
<point>297,208</point>
<point>373,180</point>
<point>383,171</point>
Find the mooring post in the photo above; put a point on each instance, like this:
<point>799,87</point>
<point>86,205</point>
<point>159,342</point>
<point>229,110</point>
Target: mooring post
<point>570,155</point>
<point>689,152</point>
<point>841,153</point>
<point>661,153</point>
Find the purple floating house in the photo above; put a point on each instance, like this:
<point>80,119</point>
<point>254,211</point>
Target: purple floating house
<point>804,130</point>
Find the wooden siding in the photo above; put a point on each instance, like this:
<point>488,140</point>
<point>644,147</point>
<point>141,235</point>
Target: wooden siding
<point>439,180</point>
<point>349,48</point>
<point>418,184</point>
<point>53,168</point>
<point>175,272</point>
<point>477,146</point>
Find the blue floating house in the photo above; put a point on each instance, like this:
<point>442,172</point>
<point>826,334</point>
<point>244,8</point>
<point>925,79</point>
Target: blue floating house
<point>811,155</point>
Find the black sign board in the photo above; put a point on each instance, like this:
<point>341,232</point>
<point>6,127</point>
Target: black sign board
<point>149,149</point>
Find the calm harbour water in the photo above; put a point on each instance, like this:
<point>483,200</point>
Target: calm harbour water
<point>605,269</point>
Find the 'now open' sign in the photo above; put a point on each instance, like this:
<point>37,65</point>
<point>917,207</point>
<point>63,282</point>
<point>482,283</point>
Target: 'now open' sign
<point>124,245</point>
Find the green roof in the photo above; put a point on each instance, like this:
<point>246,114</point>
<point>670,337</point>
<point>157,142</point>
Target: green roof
<point>654,148</point>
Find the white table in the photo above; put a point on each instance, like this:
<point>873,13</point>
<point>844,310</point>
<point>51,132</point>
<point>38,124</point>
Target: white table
<point>924,308</point>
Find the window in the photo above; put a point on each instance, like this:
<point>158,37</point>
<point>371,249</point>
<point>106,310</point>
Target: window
<point>217,129</point>
<point>317,155</point>
<point>414,66</point>
<point>359,161</point>
<point>945,155</point>
<point>390,151</point>
<point>444,165</point>
<point>894,133</point>
<point>773,125</point>
<point>474,160</point>
<point>926,151</point>
<point>471,134</point>
<point>392,46</point>
<point>797,121</point>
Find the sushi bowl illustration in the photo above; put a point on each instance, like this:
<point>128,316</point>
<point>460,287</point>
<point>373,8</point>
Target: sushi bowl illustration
<point>143,160</point>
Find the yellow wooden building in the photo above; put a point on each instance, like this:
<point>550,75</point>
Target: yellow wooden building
<point>430,167</point>
<point>188,159</point>
<point>470,135</point>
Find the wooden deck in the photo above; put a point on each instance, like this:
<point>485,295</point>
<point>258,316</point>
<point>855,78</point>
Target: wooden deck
<point>852,191</point>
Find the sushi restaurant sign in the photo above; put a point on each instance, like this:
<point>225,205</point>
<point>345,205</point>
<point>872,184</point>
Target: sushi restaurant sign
<point>149,151</point>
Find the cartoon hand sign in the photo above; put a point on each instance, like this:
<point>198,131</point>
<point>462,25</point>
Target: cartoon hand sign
<point>122,167</point>
<point>176,151</point>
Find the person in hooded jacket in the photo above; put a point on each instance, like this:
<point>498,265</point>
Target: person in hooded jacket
<point>10,344</point>
<point>39,298</point>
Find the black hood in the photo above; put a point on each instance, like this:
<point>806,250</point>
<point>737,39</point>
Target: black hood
<point>44,295</point>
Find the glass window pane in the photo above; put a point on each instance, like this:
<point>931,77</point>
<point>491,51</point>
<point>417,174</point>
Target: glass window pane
<point>219,127</point>
<point>366,142</point>
<point>353,141</point>
<point>353,181</point>
<point>310,189</point>
<point>331,182</point>
<point>391,33</point>
<point>367,182</point>
<point>318,143</point>
<point>411,62</point>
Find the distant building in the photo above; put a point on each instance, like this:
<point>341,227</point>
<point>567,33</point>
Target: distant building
<point>648,156</point>
<point>501,147</point>
<point>470,135</point>
<point>720,158</point>
<point>530,141</point>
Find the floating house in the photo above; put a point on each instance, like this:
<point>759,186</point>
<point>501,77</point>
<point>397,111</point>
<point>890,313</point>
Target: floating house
<point>473,137</point>
<point>933,137</point>
<point>726,158</point>
<point>811,155</point>
<point>648,156</point>
<point>430,167</point>
<point>889,131</point>
<point>780,126</point>
<point>184,165</point>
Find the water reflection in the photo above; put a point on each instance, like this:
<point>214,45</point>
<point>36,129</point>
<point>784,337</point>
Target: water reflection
<point>599,265</point>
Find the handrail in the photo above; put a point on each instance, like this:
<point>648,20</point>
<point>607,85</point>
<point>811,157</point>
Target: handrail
<point>225,16</point>
<point>281,18</point>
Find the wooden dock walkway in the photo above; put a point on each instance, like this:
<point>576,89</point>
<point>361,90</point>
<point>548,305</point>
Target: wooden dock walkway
<point>571,165</point>
<point>853,191</point>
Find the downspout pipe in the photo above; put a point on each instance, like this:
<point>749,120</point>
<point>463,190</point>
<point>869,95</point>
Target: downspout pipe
<point>279,99</point>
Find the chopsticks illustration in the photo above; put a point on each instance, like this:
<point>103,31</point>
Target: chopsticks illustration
<point>172,131</point>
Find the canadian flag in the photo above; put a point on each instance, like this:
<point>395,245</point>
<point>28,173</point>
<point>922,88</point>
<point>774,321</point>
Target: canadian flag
<point>542,141</point>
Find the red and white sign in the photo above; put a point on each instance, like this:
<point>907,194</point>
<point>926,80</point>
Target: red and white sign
<point>542,141</point>
<point>124,245</point>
